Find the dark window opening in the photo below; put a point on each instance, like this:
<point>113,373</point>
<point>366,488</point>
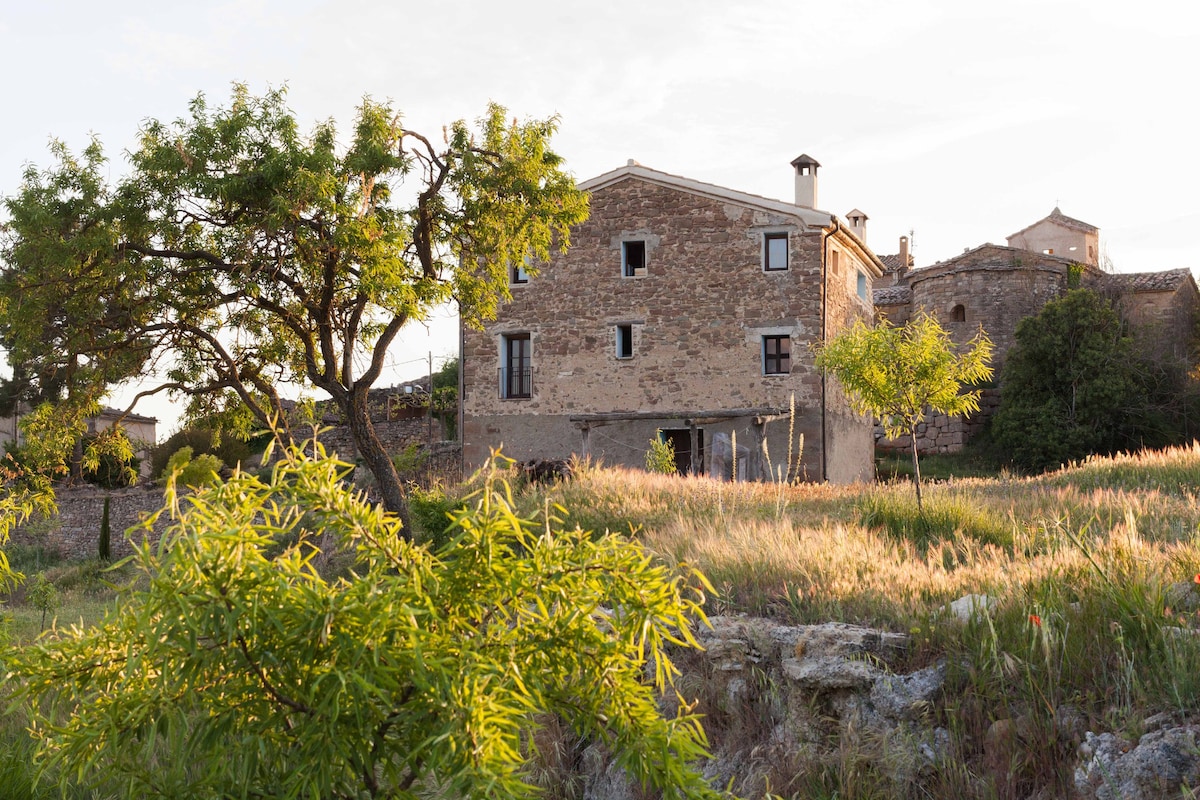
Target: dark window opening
<point>518,274</point>
<point>775,251</point>
<point>681,440</point>
<point>777,355</point>
<point>516,380</point>
<point>958,313</point>
<point>624,341</point>
<point>633,258</point>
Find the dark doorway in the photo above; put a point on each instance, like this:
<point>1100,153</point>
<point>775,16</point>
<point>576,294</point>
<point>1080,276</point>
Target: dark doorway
<point>681,440</point>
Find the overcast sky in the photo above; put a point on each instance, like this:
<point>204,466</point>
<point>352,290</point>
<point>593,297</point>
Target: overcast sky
<point>959,121</point>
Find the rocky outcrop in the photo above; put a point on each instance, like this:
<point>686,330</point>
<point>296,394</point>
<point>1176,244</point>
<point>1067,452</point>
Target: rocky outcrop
<point>781,701</point>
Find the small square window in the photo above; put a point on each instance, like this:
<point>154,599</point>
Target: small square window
<point>518,275</point>
<point>862,287</point>
<point>633,258</point>
<point>624,341</point>
<point>777,355</point>
<point>775,251</point>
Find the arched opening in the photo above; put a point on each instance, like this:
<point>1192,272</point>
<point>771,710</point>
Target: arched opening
<point>958,313</point>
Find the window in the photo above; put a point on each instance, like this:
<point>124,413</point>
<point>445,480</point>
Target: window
<point>777,355</point>
<point>958,313</point>
<point>516,376</point>
<point>835,262</point>
<point>624,341</point>
<point>518,275</point>
<point>862,287</point>
<point>775,251</point>
<point>633,258</point>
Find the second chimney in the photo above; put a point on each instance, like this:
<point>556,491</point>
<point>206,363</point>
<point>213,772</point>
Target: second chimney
<point>806,181</point>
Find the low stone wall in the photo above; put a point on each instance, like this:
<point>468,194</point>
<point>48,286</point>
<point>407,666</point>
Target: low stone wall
<point>942,434</point>
<point>75,532</point>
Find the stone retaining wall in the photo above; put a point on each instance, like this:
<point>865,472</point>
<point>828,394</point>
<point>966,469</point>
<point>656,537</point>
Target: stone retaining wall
<point>939,433</point>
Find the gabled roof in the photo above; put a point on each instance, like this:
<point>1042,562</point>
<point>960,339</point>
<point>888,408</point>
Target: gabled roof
<point>1061,219</point>
<point>633,170</point>
<point>1167,281</point>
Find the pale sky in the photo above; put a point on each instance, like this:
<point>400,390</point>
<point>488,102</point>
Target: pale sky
<point>958,120</point>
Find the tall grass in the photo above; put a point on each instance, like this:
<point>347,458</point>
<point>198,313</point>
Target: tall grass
<point>1093,570</point>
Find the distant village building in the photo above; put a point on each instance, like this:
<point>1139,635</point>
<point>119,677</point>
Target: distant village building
<point>995,287</point>
<point>685,308</point>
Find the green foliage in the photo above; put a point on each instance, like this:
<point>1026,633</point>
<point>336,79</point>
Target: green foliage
<point>942,519</point>
<point>203,470</point>
<point>410,460</point>
<point>231,449</point>
<point>260,256</point>
<point>418,672</point>
<point>899,374</point>
<point>43,595</point>
<point>432,512</point>
<point>109,462</point>
<point>104,546</point>
<point>660,456</point>
<point>1069,385</point>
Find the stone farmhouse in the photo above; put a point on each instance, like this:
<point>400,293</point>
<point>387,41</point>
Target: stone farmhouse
<point>682,308</point>
<point>997,286</point>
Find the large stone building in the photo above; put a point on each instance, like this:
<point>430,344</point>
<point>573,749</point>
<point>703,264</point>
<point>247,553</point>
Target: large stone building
<point>685,308</point>
<point>995,287</point>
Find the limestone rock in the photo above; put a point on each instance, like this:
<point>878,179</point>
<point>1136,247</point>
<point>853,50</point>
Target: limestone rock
<point>1157,767</point>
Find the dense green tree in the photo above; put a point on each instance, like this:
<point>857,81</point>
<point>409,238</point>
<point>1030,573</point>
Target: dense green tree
<point>238,670</point>
<point>239,255</point>
<point>900,374</point>
<point>1069,386</point>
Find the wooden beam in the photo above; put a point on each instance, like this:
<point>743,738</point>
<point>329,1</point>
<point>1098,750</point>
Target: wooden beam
<point>701,417</point>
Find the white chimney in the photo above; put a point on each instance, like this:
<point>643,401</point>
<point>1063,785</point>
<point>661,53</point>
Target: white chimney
<point>806,181</point>
<point>858,224</point>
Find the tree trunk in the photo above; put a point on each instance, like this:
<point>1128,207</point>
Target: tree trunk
<point>391,490</point>
<point>916,469</point>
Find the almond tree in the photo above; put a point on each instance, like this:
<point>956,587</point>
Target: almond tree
<point>900,374</point>
<point>239,256</point>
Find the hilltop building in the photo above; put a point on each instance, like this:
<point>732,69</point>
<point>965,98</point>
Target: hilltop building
<point>995,287</point>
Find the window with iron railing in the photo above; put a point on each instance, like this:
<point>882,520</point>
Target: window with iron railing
<point>516,374</point>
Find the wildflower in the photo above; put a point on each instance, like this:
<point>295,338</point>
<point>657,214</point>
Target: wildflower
<point>1036,620</point>
<point>1197,578</point>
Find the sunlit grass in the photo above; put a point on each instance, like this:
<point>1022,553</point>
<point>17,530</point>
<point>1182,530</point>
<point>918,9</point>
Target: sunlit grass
<point>1104,555</point>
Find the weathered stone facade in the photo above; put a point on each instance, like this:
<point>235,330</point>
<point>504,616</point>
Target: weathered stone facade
<point>666,314</point>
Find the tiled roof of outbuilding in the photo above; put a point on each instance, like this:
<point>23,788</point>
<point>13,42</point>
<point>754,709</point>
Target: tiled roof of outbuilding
<point>1167,281</point>
<point>892,295</point>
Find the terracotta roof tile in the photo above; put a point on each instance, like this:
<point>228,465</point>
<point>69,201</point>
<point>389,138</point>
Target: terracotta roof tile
<point>892,296</point>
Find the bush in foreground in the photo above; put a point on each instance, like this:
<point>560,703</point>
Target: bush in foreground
<point>238,674</point>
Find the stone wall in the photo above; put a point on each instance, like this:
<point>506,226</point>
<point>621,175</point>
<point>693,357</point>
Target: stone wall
<point>939,433</point>
<point>75,532</point>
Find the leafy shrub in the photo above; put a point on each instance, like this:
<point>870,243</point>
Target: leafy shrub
<point>203,470</point>
<point>111,471</point>
<point>419,669</point>
<point>229,449</point>
<point>660,458</point>
<point>1070,385</point>
<point>430,511</point>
